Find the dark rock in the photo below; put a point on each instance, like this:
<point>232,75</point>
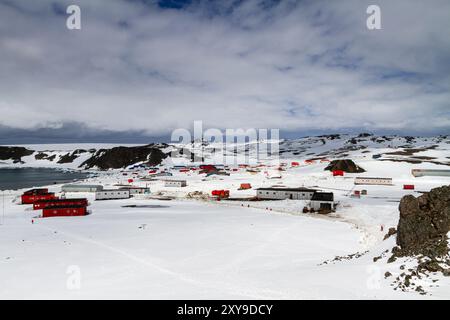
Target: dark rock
<point>365,135</point>
<point>424,223</point>
<point>391,259</point>
<point>387,274</point>
<point>345,165</point>
<point>67,158</point>
<point>41,156</point>
<point>431,266</point>
<point>390,233</point>
<point>122,157</point>
<point>14,153</point>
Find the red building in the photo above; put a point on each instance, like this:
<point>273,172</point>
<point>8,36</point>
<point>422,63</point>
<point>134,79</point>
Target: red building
<point>65,211</point>
<point>408,187</point>
<point>32,198</point>
<point>59,203</point>
<point>207,167</point>
<point>295,164</point>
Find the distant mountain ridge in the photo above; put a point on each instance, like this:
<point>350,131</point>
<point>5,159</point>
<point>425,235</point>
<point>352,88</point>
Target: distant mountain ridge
<point>334,146</point>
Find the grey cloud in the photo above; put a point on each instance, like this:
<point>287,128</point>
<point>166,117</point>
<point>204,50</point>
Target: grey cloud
<point>300,66</point>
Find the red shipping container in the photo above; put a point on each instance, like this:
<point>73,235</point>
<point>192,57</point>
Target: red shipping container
<point>59,203</point>
<point>67,211</point>
<point>295,164</point>
<point>30,199</point>
<point>408,187</point>
<point>130,180</point>
<point>221,193</point>
<point>337,173</point>
<point>245,186</point>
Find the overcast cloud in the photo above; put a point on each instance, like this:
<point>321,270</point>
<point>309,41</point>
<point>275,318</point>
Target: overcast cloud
<point>149,67</point>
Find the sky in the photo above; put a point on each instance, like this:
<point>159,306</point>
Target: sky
<point>139,69</point>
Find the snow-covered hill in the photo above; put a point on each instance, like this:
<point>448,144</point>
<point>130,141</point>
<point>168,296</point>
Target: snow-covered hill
<point>416,150</point>
<point>195,247</point>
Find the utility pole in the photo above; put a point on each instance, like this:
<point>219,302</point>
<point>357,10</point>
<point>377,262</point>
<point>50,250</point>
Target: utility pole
<point>3,211</point>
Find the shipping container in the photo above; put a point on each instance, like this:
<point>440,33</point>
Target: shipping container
<point>31,198</point>
<point>65,211</point>
<point>59,203</point>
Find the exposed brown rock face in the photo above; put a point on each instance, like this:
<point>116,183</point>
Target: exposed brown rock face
<point>424,223</point>
<point>121,157</point>
<point>14,153</point>
<point>345,165</point>
<point>67,158</point>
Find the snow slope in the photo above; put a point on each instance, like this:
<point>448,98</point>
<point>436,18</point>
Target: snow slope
<point>193,247</point>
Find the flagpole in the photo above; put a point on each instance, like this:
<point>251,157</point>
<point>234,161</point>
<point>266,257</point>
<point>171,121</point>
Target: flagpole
<point>3,211</point>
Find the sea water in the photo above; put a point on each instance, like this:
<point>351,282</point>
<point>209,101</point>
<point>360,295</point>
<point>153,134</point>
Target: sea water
<point>18,178</point>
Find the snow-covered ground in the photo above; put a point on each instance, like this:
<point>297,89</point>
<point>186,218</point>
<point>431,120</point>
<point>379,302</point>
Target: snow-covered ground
<point>192,247</point>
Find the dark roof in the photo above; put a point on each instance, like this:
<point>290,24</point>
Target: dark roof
<point>323,196</point>
<point>36,191</point>
<point>288,189</point>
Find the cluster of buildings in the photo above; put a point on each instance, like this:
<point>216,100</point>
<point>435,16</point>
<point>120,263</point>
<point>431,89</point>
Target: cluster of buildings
<point>53,206</point>
<point>124,192</point>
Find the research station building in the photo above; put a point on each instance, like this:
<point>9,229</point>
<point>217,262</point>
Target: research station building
<point>373,181</point>
<point>136,190</point>
<point>112,194</point>
<point>322,201</point>
<point>175,183</point>
<point>278,193</point>
<point>81,188</point>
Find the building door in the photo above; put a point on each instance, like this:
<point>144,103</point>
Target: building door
<point>291,196</point>
<point>325,206</point>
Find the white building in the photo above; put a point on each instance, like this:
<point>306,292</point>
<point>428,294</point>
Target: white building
<point>136,190</point>
<point>430,172</point>
<point>112,194</point>
<point>322,201</point>
<point>175,183</point>
<point>373,181</point>
<point>278,193</point>
<point>81,188</point>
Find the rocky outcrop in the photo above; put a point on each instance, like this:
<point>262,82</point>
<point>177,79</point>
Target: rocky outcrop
<point>67,158</point>
<point>424,223</point>
<point>345,165</point>
<point>14,153</point>
<point>122,157</point>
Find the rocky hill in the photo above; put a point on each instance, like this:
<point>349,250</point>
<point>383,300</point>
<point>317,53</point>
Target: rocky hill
<point>122,157</point>
<point>334,147</point>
